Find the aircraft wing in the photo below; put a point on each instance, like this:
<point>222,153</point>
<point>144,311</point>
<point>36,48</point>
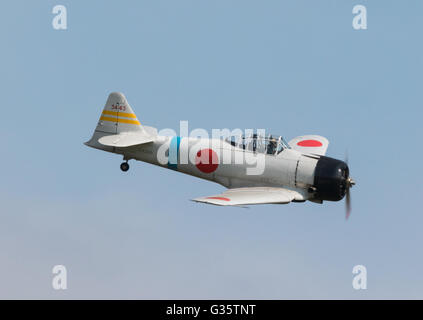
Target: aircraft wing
<point>252,195</point>
<point>311,144</point>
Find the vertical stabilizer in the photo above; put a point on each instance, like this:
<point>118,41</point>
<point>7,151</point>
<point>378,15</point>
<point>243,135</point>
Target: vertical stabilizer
<point>118,116</point>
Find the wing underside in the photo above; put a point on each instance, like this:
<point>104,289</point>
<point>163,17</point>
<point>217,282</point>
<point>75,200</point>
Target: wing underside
<point>253,195</point>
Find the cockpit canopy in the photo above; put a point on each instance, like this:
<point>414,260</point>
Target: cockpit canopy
<point>268,144</point>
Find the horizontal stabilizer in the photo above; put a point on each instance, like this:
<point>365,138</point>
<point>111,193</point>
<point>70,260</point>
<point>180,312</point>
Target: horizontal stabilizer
<point>126,139</point>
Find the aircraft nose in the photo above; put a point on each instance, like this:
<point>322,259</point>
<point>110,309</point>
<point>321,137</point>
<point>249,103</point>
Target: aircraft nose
<point>330,179</point>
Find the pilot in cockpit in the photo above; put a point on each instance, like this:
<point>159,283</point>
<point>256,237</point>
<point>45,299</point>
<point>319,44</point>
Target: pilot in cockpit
<point>271,145</point>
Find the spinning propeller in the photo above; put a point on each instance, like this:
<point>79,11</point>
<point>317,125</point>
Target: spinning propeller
<point>349,182</point>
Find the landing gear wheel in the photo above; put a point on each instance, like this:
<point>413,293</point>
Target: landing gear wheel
<point>124,166</point>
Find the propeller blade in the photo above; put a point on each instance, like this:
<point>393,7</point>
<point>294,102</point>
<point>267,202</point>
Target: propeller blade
<point>350,183</point>
<point>347,203</point>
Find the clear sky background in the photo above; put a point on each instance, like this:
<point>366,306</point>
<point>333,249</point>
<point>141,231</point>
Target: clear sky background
<point>292,67</point>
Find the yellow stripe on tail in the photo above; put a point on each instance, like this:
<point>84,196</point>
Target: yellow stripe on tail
<point>120,120</point>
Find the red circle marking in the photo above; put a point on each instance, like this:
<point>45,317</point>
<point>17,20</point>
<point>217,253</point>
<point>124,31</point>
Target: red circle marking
<point>310,143</point>
<point>219,198</point>
<point>207,161</point>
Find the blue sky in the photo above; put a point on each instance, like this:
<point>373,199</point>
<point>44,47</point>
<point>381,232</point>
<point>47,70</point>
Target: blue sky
<point>292,67</point>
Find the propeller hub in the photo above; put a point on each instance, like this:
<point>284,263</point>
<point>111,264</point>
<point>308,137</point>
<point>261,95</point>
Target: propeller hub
<point>350,182</point>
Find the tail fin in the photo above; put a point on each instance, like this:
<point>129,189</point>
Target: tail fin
<point>118,116</point>
<point>119,126</point>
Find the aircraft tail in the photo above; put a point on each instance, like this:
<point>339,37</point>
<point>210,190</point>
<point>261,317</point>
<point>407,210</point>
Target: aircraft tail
<point>118,116</point>
<point>119,126</point>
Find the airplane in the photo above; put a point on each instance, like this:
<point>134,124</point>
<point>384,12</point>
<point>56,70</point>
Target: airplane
<point>294,171</point>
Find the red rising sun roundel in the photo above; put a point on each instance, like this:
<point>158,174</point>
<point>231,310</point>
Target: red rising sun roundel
<point>309,143</point>
<point>207,160</point>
